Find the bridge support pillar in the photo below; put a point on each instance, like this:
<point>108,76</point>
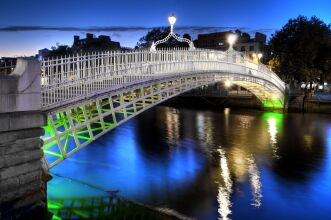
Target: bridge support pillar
<point>22,176</point>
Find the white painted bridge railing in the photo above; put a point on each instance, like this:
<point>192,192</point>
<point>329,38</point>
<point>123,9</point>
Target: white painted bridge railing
<point>75,77</point>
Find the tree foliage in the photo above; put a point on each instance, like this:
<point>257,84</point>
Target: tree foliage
<point>60,50</point>
<point>301,50</point>
<point>157,34</point>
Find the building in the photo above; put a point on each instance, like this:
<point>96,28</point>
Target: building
<point>43,53</point>
<point>251,45</point>
<point>245,44</point>
<point>7,65</point>
<point>216,41</point>
<point>7,61</point>
<point>91,43</point>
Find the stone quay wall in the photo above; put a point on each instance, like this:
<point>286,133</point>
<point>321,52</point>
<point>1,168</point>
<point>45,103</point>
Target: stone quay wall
<point>22,173</point>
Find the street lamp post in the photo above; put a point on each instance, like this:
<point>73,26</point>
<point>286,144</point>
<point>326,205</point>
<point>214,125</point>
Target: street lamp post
<point>257,56</point>
<point>232,38</point>
<point>172,20</point>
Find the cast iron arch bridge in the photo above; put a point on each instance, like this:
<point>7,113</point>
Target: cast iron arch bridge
<point>86,96</point>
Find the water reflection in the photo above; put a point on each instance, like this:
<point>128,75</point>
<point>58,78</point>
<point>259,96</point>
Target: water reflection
<point>107,207</point>
<point>225,188</point>
<point>205,128</point>
<point>225,184</point>
<point>172,158</point>
<point>308,141</point>
<point>272,130</point>
<point>256,185</point>
<point>238,164</point>
<point>201,126</point>
<point>274,121</point>
<point>172,123</point>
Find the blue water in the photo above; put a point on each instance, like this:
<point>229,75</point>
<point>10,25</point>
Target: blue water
<point>220,164</point>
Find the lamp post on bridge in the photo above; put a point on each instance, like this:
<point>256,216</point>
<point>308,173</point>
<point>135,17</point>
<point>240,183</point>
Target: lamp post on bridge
<point>172,20</point>
<point>257,56</point>
<point>232,38</point>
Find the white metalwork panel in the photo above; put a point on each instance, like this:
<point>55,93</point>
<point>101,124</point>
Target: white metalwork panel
<point>77,77</point>
<point>75,126</point>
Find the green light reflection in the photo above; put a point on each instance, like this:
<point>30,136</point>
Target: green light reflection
<point>274,121</point>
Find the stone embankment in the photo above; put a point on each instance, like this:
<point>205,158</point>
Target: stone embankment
<point>23,176</point>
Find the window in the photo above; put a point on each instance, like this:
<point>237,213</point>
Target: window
<point>251,48</point>
<point>242,48</point>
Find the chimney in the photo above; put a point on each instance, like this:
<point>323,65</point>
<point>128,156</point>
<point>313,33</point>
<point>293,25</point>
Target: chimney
<point>76,39</point>
<point>89,36</point>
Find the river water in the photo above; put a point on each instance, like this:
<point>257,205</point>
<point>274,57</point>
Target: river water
<point>209,164</point>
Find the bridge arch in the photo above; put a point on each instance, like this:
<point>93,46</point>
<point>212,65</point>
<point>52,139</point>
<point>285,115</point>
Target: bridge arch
<point>85,96</point>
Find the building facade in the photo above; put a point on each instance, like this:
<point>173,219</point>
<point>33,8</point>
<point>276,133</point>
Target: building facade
<point>245,44</point>
<point>92,43</point>
<point>43,53</point>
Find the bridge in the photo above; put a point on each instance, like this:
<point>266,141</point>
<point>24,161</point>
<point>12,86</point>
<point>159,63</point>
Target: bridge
<point>78,98</point>
<point>85,96</point>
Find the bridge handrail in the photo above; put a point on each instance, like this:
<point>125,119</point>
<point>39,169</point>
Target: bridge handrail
<point>79,75</point>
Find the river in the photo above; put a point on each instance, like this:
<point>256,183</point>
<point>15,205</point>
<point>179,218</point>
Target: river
<point>208,164</point>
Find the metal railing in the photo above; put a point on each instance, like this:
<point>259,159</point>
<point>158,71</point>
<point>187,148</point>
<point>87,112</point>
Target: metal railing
<point>75,77</point>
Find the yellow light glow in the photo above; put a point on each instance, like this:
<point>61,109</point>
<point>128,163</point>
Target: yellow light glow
<point>227,83</point>
<point>226,111</point>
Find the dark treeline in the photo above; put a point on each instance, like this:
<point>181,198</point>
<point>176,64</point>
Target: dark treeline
<point>301,51</point>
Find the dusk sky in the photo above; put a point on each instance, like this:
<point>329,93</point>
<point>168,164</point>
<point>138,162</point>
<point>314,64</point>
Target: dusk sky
<point>25,25</point>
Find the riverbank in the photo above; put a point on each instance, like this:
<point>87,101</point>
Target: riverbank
<point>310,106</point>
<point>247,102</point>
<point>212,102</point>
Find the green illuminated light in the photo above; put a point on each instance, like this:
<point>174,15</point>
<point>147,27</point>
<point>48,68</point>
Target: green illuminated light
<point>278,104</point>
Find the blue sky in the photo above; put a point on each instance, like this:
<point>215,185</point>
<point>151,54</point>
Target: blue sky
<point>126,21</point>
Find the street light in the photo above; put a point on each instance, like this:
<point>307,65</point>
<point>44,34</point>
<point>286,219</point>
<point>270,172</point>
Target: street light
<point>227,83</point>
<point>231,40</point>
<point>172,20</point>
<point>259,56</point>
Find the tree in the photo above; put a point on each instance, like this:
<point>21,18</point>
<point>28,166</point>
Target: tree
<point>59,50</point>
<point>98,44</point>
<point>301,50</point>
<point>187,36</point>
<point>157,34</point>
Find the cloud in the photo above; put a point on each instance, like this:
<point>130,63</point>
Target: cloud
<point>121,29</point>
<point>116,35</point>
<point>87,29</point>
